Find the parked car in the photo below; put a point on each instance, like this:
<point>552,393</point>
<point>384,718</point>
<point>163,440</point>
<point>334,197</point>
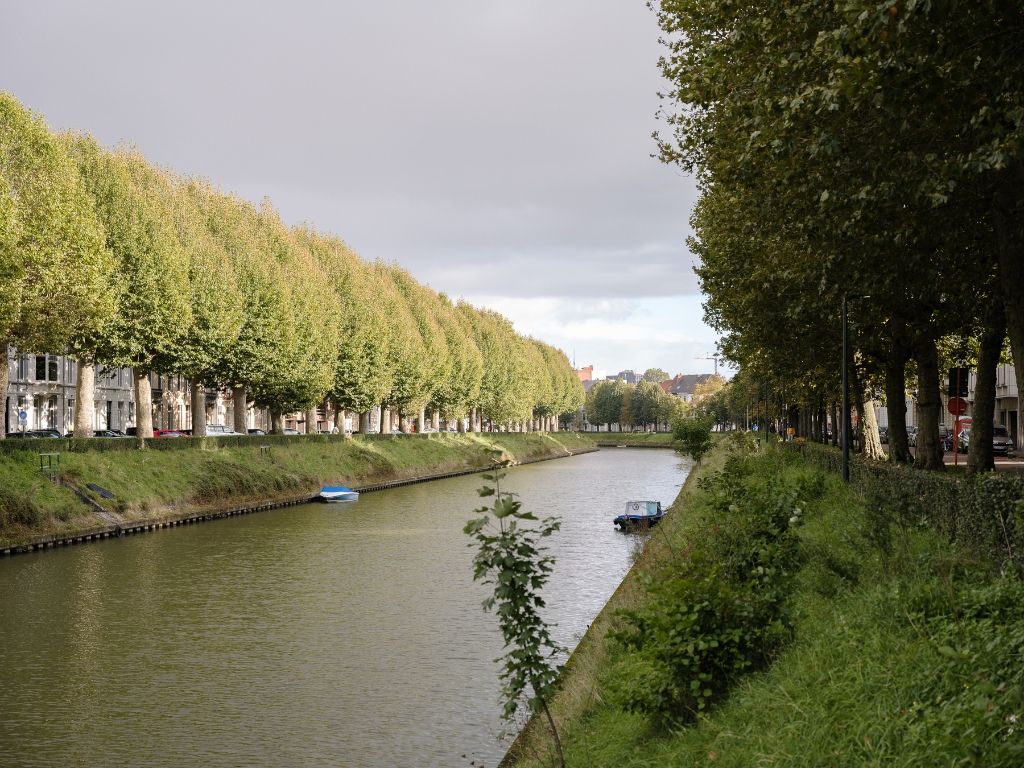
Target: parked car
<point>1002,443</point>
<point>290,431</point>
<point>35,433</point>
<point>168,433</point>
<point>1001,440</point>
<point>108,433</point>
<point>257,432</point>
<point>220,430</point>
<point>883,434</point>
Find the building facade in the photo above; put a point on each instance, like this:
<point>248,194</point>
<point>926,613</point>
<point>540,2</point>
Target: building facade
<point>41,394</point>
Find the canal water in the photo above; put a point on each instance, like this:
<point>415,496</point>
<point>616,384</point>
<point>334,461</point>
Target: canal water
<point>341,635</point>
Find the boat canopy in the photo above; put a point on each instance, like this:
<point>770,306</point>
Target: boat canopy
<point>643,508</point>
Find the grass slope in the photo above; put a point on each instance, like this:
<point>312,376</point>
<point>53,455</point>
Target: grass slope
<point>900,651</point>
<point>151,484</point>
<point>635,439</point>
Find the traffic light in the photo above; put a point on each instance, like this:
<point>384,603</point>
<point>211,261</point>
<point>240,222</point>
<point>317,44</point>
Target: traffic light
<point>958,382</point>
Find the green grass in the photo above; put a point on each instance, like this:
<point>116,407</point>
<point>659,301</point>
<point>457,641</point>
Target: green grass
<point>154,484</point>
<point>648,439</point>
<point>903,652</point>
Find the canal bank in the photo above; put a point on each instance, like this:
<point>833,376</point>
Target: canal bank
<point>589,658</point>
<point>97,494</point>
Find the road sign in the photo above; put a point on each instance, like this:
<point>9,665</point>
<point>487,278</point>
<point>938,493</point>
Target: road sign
<point>23,416</point>
<point>957,406</point>
<point>958,379</point>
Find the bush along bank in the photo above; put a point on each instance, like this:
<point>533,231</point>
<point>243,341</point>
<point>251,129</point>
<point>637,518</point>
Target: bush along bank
<point>784,618</point>
<point>174,483</point>
<point>982,513</point>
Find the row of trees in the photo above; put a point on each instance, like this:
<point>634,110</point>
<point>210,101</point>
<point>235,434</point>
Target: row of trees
<point>867,152</point>
<point>631,405</point>
<point>115,262</point>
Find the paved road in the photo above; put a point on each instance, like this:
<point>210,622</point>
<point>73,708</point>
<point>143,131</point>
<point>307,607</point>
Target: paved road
<point>1003,463</point>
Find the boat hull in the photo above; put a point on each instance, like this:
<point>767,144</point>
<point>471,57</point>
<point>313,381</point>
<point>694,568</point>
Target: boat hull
<point>332,495</point>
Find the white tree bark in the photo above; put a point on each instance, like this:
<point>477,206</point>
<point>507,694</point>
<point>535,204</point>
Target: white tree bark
<point>240,407</point>
<point>869,431</point>
<point>5,381</point>
<point>143,405</point>
<point>198,409</point>
<point>85,399</point>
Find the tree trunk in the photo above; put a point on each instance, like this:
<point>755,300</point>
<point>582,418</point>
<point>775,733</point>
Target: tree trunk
<point>474,427</point>
<point>929,406</point>
<point>1010,261</point>
<point>979,452</point>
<point>143,405</point>
<point>276,422</point>
<point>364,423</point>
<point>339,419</point>
<point>85,399</point>
<point>435,421</point>
<point>871,443</point>
<point>378,415</point>
<point>5,382</point>
<point>421,420</point>
<point>311,418</point>
<point>896,406</point>
<point>836,426</point>
<point>240,406</point>
<point>198,409</point>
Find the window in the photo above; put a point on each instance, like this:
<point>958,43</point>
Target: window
<point>45,411</point>
<point>23,367</point>
<point>47,368</point>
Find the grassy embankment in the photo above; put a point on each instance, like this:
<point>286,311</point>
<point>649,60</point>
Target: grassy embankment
<point>154,484</point>
<point>847,634</point>
<point>634,439</point>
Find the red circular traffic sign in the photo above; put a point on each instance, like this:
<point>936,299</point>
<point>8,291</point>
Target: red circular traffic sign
<point>957,406</point>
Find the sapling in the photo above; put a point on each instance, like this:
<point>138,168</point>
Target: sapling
<point>510,558</point>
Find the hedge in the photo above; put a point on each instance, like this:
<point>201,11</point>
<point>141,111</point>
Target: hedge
<point>83,445</point>
<point>982,513</point>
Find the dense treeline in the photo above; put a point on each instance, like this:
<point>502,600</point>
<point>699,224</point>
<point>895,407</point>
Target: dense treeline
<point>642,405</point>
<point>115,262</point>
<point>869,152</point>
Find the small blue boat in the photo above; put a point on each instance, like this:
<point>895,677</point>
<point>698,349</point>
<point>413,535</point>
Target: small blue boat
<point>639,514</point>
<point>338,493</point>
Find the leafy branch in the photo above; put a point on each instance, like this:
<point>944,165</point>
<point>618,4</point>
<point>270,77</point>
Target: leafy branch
<point>511,559</point>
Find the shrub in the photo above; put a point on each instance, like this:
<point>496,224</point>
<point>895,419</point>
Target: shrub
<point>721,612</point>
<point>694,435</point>
<point>980,513</point>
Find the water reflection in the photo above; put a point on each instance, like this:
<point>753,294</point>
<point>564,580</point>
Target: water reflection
<point>317,635</point>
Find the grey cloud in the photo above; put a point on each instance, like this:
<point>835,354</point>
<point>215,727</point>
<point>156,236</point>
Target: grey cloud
<point>477,142</point>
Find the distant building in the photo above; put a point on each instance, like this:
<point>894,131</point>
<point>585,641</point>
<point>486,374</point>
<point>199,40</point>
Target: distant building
<point>629,377</point>
<point>682,385</point>
<point>586,374</point>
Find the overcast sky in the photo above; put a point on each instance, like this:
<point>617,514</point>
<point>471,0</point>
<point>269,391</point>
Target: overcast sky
<point>500,151</point>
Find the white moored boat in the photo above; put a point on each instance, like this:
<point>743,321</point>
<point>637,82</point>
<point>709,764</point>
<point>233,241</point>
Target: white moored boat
<point>338,493</point>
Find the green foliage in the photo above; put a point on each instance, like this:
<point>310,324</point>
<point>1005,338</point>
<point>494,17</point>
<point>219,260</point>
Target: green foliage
<point>980,513</point>
<point>510,558</point>
<point>108,258</point>
<point>972,697</point>
<point>54,266</point>
<point>693,433</point>
<point>719,613</point>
